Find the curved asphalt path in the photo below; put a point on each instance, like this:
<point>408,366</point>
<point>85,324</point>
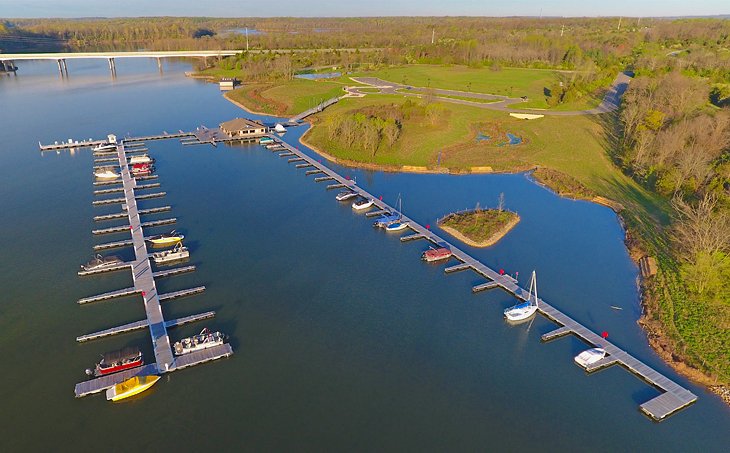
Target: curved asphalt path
<point>610,102</point>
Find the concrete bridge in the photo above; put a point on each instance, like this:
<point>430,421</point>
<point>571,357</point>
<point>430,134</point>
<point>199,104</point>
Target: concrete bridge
<point>7,61</point>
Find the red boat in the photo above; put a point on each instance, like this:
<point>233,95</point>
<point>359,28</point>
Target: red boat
<point>141,169</point>
<point>116,361</point>
<point>440,253</point>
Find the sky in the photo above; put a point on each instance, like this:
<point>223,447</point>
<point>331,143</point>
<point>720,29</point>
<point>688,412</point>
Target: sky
<point>339,8</point>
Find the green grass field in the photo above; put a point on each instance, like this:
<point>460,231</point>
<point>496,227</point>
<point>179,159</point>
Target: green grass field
<point>287,97</point>
<point>572,145</point>
<point>512,82</point>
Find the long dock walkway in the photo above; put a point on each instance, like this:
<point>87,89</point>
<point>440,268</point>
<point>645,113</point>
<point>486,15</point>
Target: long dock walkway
<point>674,398</point>
<point>144,282</point>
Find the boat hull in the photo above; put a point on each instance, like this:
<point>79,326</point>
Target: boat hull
<point>520,313</point>
<point>115,369</point>
<point>164,242</point>
<point>397,226</point>
<point>131,387</point>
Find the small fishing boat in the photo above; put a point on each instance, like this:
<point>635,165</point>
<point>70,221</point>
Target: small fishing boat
<point>346,195</point>
<point>524,310</point>
<point>101,262</point>
<point>204,340</point>
<point>396,226</point>
<point>436,254</point>
<point>166,239</point>
<point>106,173</point>
<point>130,387</point>
<point>105,147</point>
<point>385,220</point>
<point>115,361</point>
<point>180,252</point>
<point>590,356</point>
<point>362,204</point>
<point>141,159</point>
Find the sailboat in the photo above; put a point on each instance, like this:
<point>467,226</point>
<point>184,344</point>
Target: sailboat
<point>398,224</point>
<point>524,310</point>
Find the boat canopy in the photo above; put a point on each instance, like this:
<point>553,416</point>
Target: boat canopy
<point>129,352</point>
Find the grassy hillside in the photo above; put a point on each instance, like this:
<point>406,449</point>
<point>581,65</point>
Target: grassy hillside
<point>287,97</point>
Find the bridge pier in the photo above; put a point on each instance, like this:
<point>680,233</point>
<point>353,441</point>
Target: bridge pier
<point>62,68</point>
<point>112,66</point>
<point>8,66</point>
<point>159,64</point>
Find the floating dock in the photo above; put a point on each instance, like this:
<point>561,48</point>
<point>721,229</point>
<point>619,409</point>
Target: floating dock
<point>674,398</point>
<point>143,278</point>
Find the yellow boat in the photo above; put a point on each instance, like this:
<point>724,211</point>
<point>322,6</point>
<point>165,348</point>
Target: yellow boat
<point>131,387</point>
<point>167,239</point>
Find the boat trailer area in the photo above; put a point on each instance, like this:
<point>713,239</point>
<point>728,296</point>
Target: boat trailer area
<point>673,397</point>
<point>144,282</point>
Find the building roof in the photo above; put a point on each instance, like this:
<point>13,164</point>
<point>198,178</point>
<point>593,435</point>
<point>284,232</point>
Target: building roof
<point>238,124</point>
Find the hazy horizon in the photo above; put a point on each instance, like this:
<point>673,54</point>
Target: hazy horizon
<point>79,9</point>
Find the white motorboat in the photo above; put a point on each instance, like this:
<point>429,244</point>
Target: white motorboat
<point>527,309</point>
<point>204,340</point>
<point>141,159</point>
<point>396,226</point>
<point>590,356</point>
<point>342,196</point>
<point>179,252</point>
<point>362,204</point>
<point>105,147</point>
<point>106,173</point>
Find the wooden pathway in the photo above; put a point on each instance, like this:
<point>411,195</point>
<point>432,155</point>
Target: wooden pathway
<point>675,397</point>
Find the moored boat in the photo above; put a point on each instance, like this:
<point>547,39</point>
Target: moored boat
<point>105,147</point>
<point>141,169</point>
<point>106,173</point>
<point>362,204</point>
<point>204,340</point>
<point>590,356</point>
<point>166,239</point>
<point>436,254</point>
<point>131,387</point>
<point>141,159</point>
<point>101,262</point>
<point>180,252</point>
<point>527,309</point>
<point>385,219</point>
<point>115,361</point>
<point>342,196</point>
<point>396,226</point>
<point>265,140</point>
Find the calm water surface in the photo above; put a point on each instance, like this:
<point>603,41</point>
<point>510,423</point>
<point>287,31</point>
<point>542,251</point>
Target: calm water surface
<point>344,339</point>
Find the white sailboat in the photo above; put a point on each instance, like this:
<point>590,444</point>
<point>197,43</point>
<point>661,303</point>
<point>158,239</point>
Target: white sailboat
<point>398,224</point>
<point>527,309</point>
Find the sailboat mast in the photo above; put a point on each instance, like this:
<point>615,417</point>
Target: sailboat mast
<point>534,281</point>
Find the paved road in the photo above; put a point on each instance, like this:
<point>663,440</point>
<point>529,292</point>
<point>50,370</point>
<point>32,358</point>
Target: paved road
<point>610,102</point>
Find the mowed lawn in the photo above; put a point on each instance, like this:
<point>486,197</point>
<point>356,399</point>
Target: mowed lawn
<point>511,82</point>
<point>572,145</point>
<point>286,97</point>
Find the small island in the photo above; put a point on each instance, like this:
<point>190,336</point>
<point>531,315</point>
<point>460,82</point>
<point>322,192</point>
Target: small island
<point>479,227</point>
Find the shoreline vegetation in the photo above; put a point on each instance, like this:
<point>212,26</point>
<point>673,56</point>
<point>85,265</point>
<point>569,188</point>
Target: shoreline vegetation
<point>479,227</point>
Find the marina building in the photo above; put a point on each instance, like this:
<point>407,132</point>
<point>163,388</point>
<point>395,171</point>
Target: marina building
<point>242,127</point>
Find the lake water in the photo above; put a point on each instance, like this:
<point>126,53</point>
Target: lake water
<point>344,339</point>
